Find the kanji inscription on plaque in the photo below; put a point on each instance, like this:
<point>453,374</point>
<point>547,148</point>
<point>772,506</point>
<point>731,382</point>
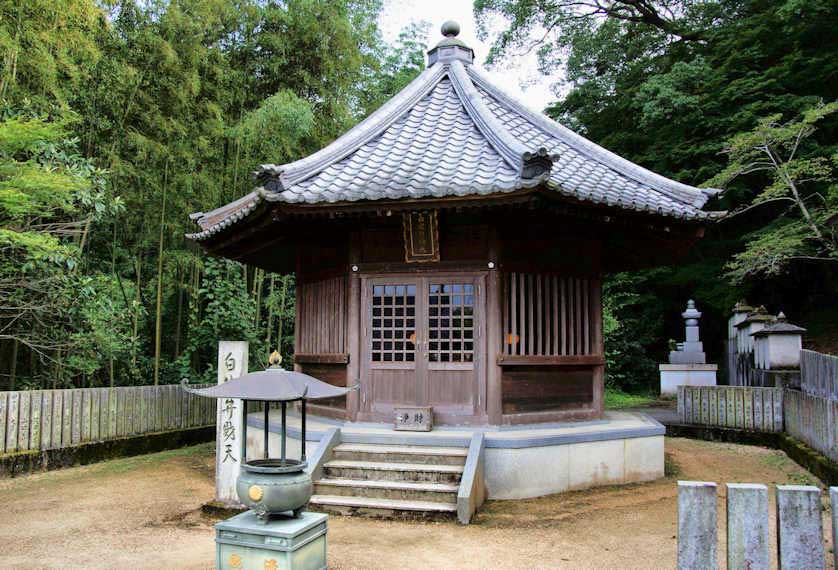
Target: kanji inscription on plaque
<point>421,236</point>
<point>413,419</point>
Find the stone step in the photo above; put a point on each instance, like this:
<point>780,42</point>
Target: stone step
<point>386,471</point>
<point>401,453</point>
<point>402,490</point>
<point>382,508</point>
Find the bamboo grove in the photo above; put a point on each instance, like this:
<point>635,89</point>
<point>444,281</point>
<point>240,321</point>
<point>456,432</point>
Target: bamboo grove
<point>121,118</point>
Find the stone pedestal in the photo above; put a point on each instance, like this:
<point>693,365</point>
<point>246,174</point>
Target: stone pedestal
<point>674,375</point>
<point>244,543</point>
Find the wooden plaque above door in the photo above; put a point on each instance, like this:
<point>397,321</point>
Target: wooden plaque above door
<point>421,236</point>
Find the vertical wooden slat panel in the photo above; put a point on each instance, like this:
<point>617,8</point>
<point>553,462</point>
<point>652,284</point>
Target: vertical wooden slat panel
<point>4,405</point>
<point>57,415</point>
<point>514,299</point>
<point>539,313</point>
<point>46,420</point>
<point>778,410</point>
<point>77,396</point>
<point>579,323</point>
<point>758,422</point>
<point>94,413</point>
<point>748,409</point>
<point>24,411</point>
<point>528,287</point>
<point>586,316</point>
<point>66,418</point>
<point>11,422</point>
<point>563,317</point>
<point>35,419</point>
<point>554,305</point>
<point>86,410</point>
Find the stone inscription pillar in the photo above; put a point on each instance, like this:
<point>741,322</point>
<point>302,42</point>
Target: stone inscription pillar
<point>232,363</point>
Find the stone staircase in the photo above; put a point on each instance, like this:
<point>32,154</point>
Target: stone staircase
<point>390,481</point>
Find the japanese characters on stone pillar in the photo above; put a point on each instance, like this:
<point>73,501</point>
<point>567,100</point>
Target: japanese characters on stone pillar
<point>232,363</point>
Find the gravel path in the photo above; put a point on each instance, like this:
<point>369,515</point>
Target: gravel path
<point>144,513</point>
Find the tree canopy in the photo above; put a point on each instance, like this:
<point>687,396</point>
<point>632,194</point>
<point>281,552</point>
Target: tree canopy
<point>117,120</point>
<point>697,90</point>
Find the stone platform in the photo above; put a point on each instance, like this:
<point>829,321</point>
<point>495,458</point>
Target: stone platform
<point>674,375</point>
<point>245,543</point>
<point>520,461</point>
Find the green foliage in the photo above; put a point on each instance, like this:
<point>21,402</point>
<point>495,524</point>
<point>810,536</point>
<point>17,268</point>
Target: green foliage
<point>276,128</point>
<point>666,83</point>
<point>108,111</point>
<point>795,174</point>
<point>223,310</point>
<point>616,399</point>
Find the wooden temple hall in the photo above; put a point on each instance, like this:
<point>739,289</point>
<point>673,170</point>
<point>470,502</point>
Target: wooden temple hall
<point>449,252</point>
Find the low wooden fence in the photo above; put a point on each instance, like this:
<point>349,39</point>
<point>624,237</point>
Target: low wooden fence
<point>800,537</point>
<point>812,420</point>
<point>51,419</point>
<point>819,374</point>
<point>750,408</point>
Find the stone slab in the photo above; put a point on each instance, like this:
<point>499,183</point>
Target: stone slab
<point>799,527</point>
<point>697,523</point>
<point>245,543</point>
<point>833,500</point>
<point>747,526</point>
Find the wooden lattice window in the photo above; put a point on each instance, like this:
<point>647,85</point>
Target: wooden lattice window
<point>393,323</point>
<point>550,315</point>
<point>451,322</point>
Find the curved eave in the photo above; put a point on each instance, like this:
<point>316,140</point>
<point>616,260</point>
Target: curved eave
<point>685,193</point>
<point>261,197</point>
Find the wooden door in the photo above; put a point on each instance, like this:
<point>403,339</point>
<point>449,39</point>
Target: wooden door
<point>391,364</point>
<point>452,346</point>
<point>423,346</point>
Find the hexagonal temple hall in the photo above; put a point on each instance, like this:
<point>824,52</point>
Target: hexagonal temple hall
<point>449,252</point>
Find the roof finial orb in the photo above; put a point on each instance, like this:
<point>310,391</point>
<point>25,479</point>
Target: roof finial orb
<point>450,29</point>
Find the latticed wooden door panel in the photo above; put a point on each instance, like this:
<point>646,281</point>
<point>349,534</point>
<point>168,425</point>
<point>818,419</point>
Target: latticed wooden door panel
<point>393,323</point>
<point>451,323</point>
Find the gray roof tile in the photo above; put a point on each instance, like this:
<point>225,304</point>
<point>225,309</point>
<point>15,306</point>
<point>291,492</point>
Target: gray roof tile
<point>452,133</point>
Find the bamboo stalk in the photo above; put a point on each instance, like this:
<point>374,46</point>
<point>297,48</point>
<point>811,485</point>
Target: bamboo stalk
<point>159,316</point>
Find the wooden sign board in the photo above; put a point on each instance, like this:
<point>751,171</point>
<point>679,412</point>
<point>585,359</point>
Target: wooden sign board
<point>421,236</point>
<point>413,419</point>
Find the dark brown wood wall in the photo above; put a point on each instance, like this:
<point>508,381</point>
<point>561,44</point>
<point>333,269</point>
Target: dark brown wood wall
<point>322,323</point>
<point>549,315</point>
<point>550,353</point>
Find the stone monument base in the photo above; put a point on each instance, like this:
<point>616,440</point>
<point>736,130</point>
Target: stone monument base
<point>674,375</point>
<point>244,543</point>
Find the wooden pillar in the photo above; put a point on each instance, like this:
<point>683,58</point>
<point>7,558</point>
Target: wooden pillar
<point>598,343</point>
<point>353,330</point>
<point>298,296</point>
<point>494,290</point>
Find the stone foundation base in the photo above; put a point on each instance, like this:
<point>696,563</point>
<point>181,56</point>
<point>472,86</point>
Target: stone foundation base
<point>244,543</point>
<point>674,375</point>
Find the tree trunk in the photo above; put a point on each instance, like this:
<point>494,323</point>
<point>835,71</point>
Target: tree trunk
<point>158,323</point>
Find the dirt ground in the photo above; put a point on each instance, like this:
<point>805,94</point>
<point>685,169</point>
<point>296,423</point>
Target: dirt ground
<point>144,512</point>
